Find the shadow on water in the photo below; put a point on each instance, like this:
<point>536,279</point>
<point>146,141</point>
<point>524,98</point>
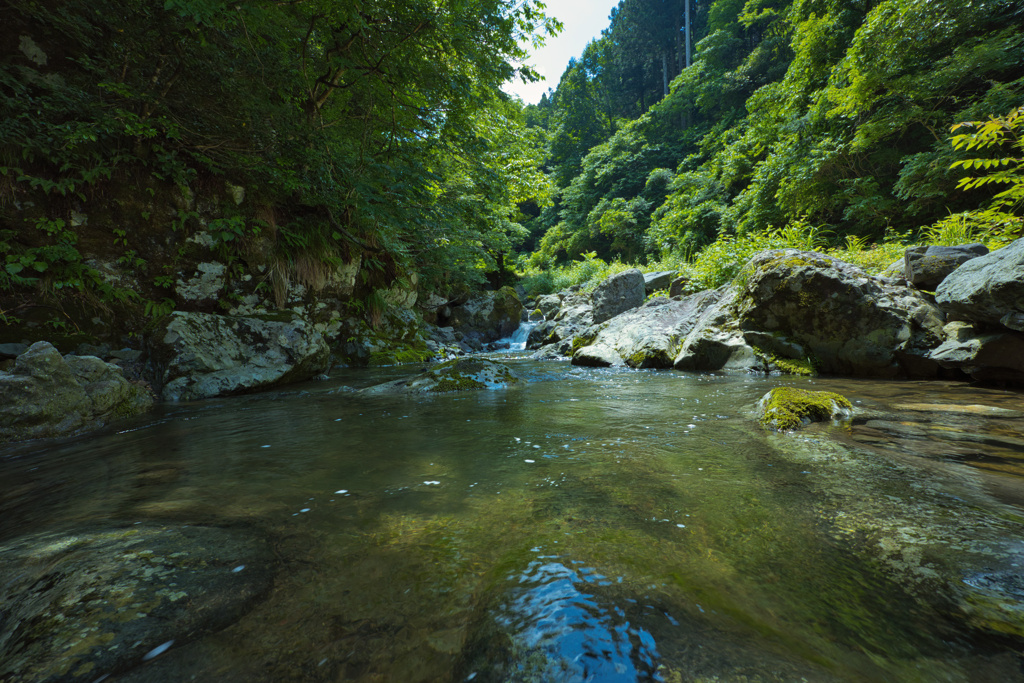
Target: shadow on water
<point>588,525</point>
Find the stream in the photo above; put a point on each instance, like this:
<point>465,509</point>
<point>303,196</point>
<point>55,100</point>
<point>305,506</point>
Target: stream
<point>584,525</point>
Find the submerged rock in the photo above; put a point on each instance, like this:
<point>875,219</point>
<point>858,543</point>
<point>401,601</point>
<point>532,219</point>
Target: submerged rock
<point>460,374</point>
<point>84,605</point>
<point>788,408</point>
<point>200,355</point>
<point>49,395</point>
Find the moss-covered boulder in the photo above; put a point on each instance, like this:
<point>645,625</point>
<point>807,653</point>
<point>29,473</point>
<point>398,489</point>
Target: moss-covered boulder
<point>460,374</point>
<point>787,408</point>
<point>49,395</point>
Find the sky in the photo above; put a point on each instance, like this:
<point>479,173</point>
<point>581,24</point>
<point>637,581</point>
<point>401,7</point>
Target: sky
<point>583,20</point>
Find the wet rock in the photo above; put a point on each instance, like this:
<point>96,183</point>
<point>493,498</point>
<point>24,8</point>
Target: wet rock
<point>90,603</point>
<point>47,395</point>
<point>927,266</point>
<point>460,374</point>
<point>987,289</point>
<point>200,355</point>
<point>539,334</point>
<point>789,408</point>
<point>985,357</point>
<point>489,316</point>
<point>617,294</point>
<point>648,336</point>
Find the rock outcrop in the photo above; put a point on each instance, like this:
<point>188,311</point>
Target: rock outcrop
<point>987,289</point>
<point>618,294</point>
<point>201,355</point>
<point>925,267</point>
<point>805,306</point>
<point>47,395</point>
<point>487,317</point>
<point>646,337</point>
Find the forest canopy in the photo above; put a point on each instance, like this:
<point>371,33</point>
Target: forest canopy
<point>830,114</point>
<point>377,130</point>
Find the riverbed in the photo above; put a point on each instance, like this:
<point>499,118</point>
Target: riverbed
<point>584,525</point>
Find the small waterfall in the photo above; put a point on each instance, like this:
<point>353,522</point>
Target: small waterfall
<point>517,342</point>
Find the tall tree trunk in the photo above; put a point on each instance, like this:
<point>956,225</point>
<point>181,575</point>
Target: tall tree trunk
<point>664,72</point>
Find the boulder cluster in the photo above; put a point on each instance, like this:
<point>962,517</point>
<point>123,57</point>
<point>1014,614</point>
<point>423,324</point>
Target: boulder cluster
<point>950,312</point>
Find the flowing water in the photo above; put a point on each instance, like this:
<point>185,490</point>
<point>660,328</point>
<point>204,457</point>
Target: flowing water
<point>585,525</point>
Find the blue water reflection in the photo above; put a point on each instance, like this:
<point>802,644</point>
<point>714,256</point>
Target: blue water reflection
<point>563,630</point>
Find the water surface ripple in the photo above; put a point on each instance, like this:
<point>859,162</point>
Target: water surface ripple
<point>586,525</point>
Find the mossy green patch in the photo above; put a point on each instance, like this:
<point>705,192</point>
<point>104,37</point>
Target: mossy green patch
<point>789,408</point>
<point>579,341</point>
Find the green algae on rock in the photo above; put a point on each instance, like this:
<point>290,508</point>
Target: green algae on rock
<point>460,374</point>
<point>789,408</point>
<point>84,604</point>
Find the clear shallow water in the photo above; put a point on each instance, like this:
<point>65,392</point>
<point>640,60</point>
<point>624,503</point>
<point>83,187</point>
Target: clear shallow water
<point>604,525</point>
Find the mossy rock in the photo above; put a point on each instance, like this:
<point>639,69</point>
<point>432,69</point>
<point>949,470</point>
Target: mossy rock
<point>788,408</point>
<point>460,374</point>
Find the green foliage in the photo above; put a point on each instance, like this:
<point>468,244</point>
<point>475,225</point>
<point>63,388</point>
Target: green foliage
<point>587,273</point>
<point>1001,221</point>
<point>374,128</point>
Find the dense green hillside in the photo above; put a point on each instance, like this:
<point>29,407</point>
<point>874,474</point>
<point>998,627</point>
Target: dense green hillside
<point>833,115</point>
<point>372,131</point>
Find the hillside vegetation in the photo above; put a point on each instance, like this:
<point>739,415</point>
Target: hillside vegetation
<point>809,123</point>
<point>300,140</point>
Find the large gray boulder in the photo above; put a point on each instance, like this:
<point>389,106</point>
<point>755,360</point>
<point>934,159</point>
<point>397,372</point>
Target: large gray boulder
<point>618,294</point>
<point>488,316</point>
<point>200,355</point>
<point>47,395</point>
<point>987,289</point>
<point>659,280</point>
<point>927,266</point>
<point>646,337</point>
<point>806,306</point>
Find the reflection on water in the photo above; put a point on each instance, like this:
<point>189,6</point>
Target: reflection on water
<point>569,634</point>
<point>604,525</point>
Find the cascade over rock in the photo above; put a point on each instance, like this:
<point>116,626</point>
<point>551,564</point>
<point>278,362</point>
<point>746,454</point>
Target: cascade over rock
<point>47,395</point>
<point>200,355</point>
